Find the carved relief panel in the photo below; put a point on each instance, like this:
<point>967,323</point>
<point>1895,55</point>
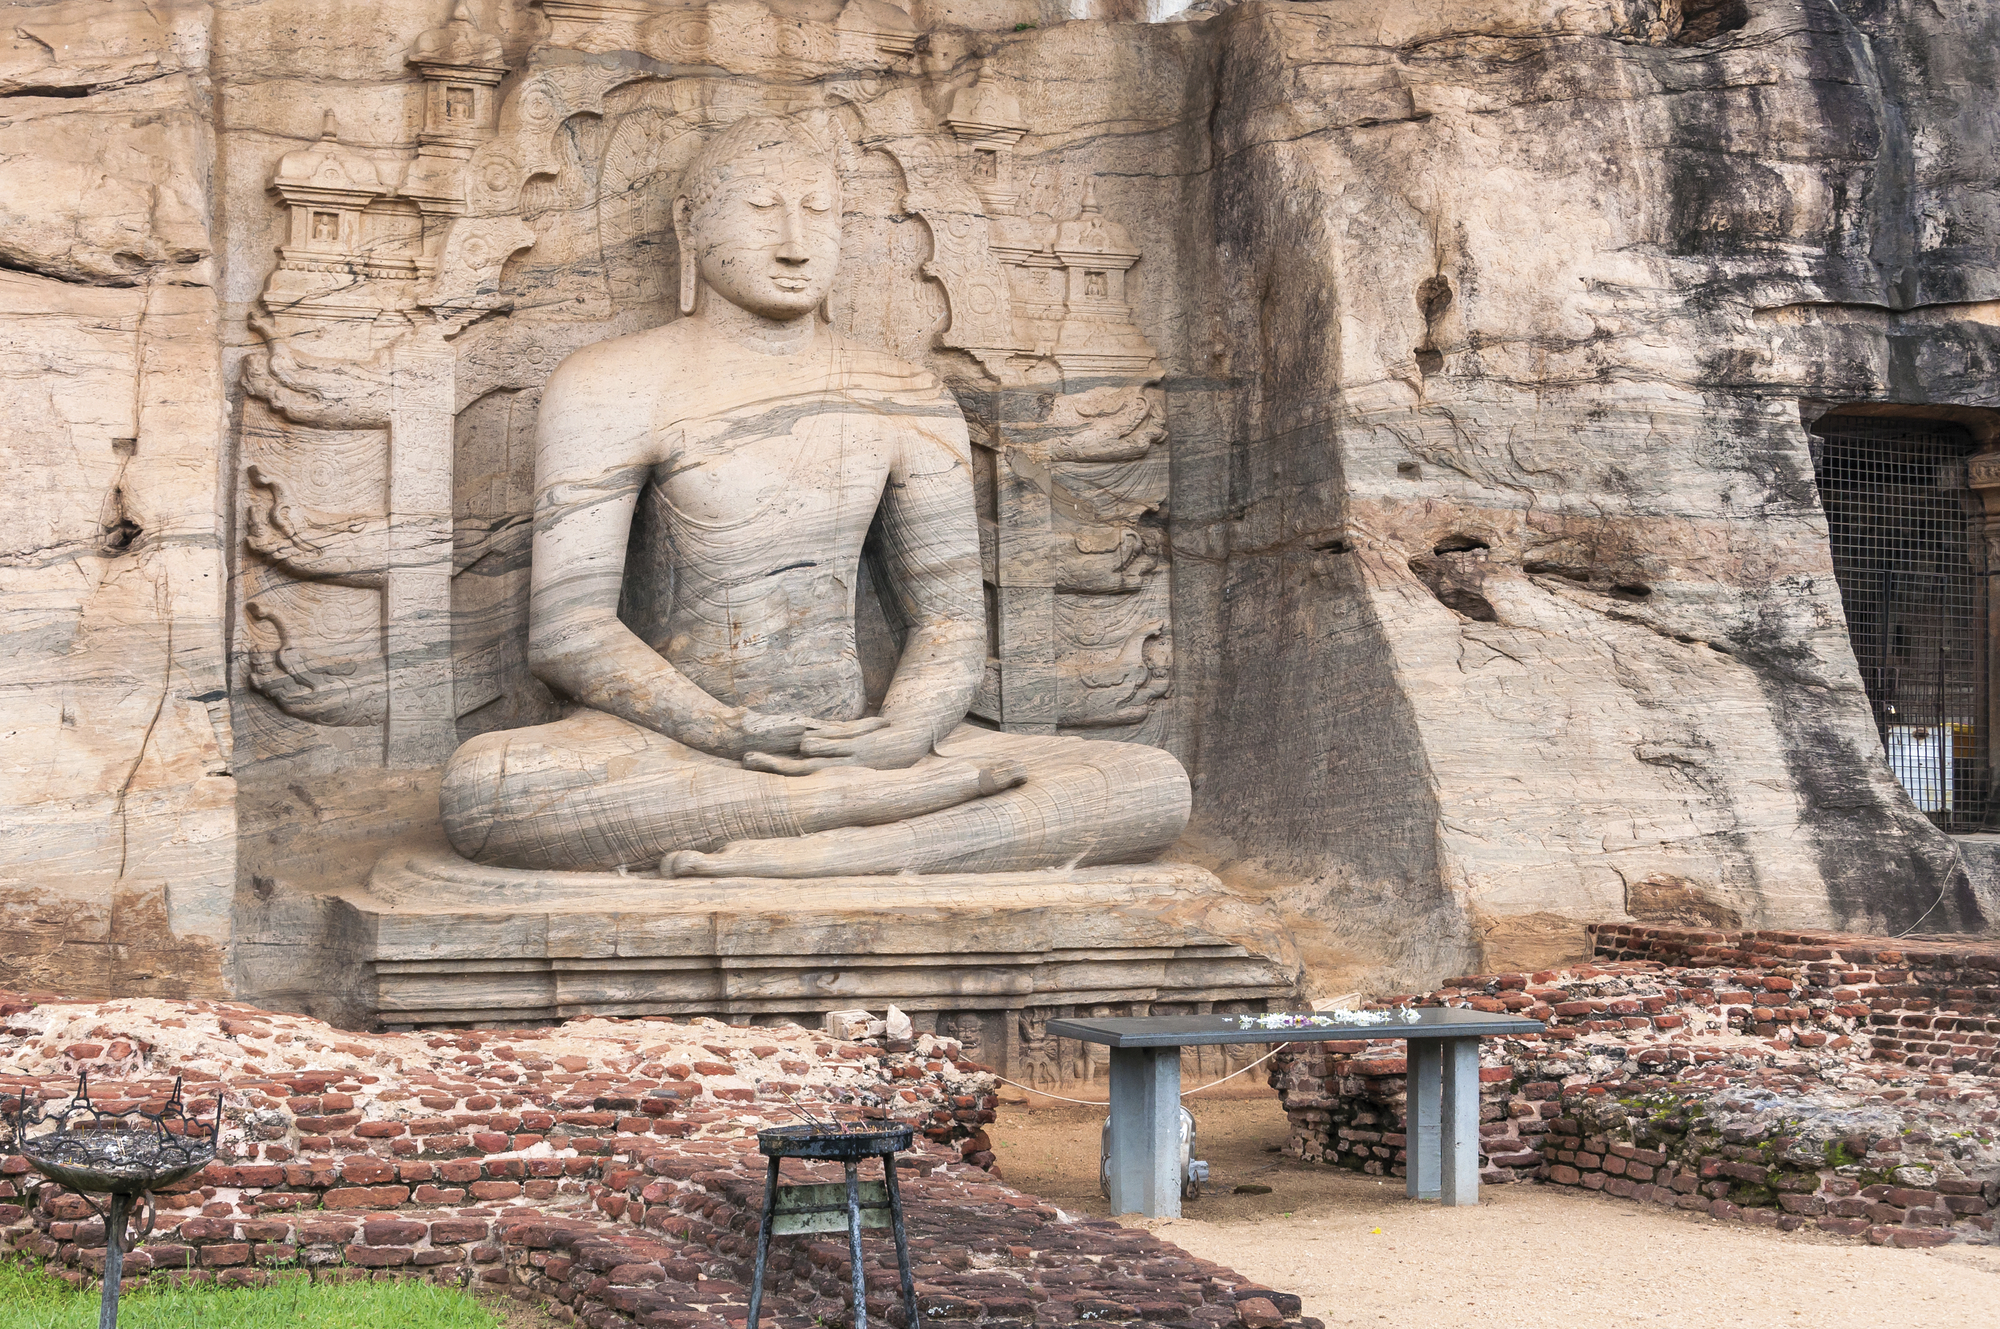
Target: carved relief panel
<point>420,302</point>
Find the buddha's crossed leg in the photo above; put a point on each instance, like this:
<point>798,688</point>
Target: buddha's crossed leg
<point>1082,803</point>
<point>595,792</point>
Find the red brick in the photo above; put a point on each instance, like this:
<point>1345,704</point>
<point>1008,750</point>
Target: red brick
<point>367,1197</point>
<point>1918,1238</point>
<point>229,1253</point>
<point>325,1230</point>
<point>1254,1313</point>
<point>203,1229</point>
<point>454,1231</point>
<point>364,1171</point>
<point>393,1232</point>
<point>1380,1066</point>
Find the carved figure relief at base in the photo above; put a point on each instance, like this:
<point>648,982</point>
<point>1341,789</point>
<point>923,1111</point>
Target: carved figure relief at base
<point>726,732</point>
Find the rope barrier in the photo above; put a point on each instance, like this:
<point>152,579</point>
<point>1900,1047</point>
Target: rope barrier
<point>1091,1102</point>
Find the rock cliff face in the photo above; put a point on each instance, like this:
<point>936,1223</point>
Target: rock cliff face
<point>1488,571</point>
<point>1515,589</point>
<point>120,858</point>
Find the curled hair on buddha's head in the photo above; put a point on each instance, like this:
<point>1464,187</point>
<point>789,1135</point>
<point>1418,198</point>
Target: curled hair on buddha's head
<point>750,133</point>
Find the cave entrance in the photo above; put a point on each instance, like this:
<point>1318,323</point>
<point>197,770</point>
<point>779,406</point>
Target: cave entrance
<point>1906,530</point>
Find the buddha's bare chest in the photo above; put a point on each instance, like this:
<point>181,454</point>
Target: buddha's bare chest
<point>783,481</point>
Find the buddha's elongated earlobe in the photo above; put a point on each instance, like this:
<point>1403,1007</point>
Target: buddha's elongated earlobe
<point>683,209</point>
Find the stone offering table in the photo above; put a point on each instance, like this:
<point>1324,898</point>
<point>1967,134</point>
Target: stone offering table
<point>1146,1090</point>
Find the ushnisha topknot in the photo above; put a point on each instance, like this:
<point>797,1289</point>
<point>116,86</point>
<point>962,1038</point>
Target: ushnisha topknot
<point>751,133</point>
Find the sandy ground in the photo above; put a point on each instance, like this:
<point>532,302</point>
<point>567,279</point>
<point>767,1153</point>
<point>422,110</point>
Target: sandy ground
<point>1358,1252</point>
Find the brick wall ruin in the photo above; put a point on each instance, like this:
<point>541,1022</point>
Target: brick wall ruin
<point>605,1169</point>
<point>1787,1078</point>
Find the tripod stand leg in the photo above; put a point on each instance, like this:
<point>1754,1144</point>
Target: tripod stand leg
<point>854,1245</point>
<point>764,1243</point>
<point>902,1239</point>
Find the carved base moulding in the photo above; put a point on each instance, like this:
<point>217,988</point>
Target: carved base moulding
<point>434,939</point>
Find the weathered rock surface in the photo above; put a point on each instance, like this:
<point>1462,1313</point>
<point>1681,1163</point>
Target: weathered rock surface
<point>1456,527</point>
<point>1513,519</point>
<point>114,748</point>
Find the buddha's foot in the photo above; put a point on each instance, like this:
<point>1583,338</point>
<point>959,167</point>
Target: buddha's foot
<point>854,851</point>
<point>859,802</point>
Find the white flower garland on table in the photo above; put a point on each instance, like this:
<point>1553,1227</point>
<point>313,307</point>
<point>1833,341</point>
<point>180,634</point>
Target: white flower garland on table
<point>1329,1020</point>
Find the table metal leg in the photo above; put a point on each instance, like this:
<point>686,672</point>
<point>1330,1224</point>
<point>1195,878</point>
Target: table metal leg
<point>902,1240</point>
<point>764,1243</point>
<point>1146,1131</point>
<point>1459,1182</point>
<point>1421,1147</point>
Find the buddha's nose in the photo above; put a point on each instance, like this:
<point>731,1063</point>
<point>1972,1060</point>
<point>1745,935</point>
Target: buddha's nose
<point>790,250</point>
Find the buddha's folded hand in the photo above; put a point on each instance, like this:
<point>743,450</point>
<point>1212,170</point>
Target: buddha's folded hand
<point>737,732</point>
<point>887,747</point>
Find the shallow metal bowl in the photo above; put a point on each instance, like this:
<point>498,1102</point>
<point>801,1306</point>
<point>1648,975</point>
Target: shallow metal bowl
<point>125,1162</point>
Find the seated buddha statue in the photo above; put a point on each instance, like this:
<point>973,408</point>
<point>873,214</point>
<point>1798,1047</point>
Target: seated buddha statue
<point>738,740</point>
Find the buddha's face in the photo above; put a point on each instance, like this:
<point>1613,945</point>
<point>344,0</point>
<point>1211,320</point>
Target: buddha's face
<point>765,234</point>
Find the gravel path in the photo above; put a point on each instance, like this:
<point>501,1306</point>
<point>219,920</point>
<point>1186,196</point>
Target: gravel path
<point>1358,1253</point>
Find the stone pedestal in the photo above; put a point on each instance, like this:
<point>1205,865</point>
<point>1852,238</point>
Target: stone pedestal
<point>986,958</point>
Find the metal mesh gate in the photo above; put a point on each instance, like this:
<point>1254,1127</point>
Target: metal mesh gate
<point>1903,525</point>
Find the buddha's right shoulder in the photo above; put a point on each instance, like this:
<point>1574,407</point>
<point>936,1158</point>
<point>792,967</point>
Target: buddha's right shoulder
<point>625,367</point>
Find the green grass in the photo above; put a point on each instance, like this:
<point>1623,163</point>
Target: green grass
<point>31,1299</point>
